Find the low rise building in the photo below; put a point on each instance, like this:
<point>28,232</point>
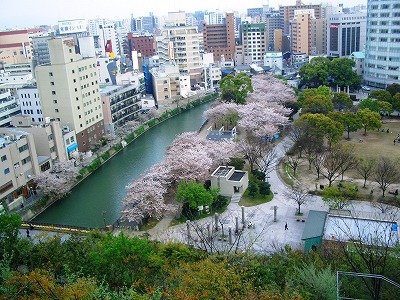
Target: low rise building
<point>229,180</point>
<point>121,103</point>
<point>19,162</point>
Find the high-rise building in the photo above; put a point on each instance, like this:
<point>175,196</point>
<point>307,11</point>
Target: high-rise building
<point>69,92</point>
<point>346,34</point>
<point>254,40</point>
<point>382,59</point>
<point>216,17</point>
<point>219,39</point>
<point>287,14</point>
<point>145,45</point>
<point>181,45</point>
<point>301,31</point>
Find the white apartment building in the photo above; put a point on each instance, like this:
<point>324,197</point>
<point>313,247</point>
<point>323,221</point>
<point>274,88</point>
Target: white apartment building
<point>29,101</point>
<point>181,45</point>
<point>8,107</point>
<point>69,92</point>
<point>255,42</point>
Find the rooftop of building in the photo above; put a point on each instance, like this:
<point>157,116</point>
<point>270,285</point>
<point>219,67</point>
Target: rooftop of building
<point>237,176</point>
<point>358,55</point>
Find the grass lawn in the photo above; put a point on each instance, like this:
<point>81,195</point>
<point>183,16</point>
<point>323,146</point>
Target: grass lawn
<point>376,144</point>
<point>248,201</point>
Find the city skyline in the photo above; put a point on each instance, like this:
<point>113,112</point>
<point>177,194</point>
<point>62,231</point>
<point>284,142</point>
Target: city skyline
<point>48,12</point>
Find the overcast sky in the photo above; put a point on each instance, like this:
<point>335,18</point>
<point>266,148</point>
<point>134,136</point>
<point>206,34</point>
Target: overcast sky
<point>27,13</point>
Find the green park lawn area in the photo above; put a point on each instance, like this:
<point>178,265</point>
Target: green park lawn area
<point>376,143</point>
<point>248,201</point>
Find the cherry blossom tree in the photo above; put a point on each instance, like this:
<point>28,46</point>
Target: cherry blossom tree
<point>267,88</point>
<point>145,199</point>
<point>261,119</point>
<point>56,183</point>
<point>220,112</point>
<point>190,157</point>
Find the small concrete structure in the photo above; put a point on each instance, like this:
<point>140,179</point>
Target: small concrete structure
<point>217,135</point>
<point>229,180</point>
<point>314,230</point>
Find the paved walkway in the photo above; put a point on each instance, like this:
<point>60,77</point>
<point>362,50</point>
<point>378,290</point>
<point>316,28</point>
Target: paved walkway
<point>268,235</point>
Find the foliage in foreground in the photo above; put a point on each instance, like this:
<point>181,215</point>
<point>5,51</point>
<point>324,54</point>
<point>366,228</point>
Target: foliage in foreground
<point>103,266</point>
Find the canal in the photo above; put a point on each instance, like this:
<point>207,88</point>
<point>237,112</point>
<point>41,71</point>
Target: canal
<point>104,190</point>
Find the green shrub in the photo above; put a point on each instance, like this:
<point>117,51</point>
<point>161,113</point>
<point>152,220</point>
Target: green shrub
<point>118,147</point>
<point>82,171</point>
<point>105,155</point>
<point>96,163</point>
<point>252,188</point>
<point>151,123</point>
<point>174,111</point>
<point>258,175</point>
<point>236,162</point>
<point>219,203</point>
<point>139,130</point>
<point>130,138</point>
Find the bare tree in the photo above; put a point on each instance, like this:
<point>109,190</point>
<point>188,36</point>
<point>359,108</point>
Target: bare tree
<point>349,159</point>
<point>365,168</point>
<point>253,148</point>
<point>293,161</point>
<point>335,159</point>
<point>318,162</point>
<point>224,234</point>
<point>299,195</point>
<point>386,172</point>
<point>268,161</point>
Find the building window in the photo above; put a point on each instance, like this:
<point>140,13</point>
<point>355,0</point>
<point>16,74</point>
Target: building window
<point>53,92</point>
<point>50,73</point>
<point>4,158</point>
<point>23,148</point>
<point>26,160</point>
<point>56,110</point>
<point>55,101</point>
<point>51,82</point>
<point>50,137</point>
<point>6,171</point>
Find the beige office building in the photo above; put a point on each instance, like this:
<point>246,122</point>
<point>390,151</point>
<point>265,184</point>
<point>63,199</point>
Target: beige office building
<point>181,45</point>
<point>287,13</point>
<point>166,84</point>
<point>69,92</point>
<point>301,31</point>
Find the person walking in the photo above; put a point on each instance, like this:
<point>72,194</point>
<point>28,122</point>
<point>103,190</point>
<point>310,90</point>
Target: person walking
<point>27,233</point>
<point>286,227</point>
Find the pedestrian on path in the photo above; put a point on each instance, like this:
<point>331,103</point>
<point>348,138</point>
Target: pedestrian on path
<point>27,233</point>
<point>286,227</point>
<point>394,142</point>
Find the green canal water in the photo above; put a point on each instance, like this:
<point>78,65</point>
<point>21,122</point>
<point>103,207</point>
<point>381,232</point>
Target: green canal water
<point>104,190</point>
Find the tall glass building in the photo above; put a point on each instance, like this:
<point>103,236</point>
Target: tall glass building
<point>382,59</point>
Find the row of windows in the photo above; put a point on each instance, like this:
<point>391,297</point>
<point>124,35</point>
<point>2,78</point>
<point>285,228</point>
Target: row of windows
<point>384,15</point>
<point>29,103</point>
<point>384,31</point>
<point>385,6</point>
<point>30,111</point>
<point>29,96</point>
